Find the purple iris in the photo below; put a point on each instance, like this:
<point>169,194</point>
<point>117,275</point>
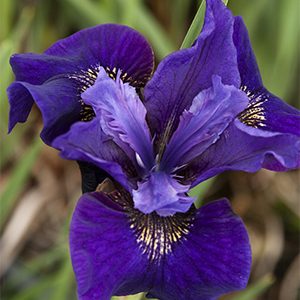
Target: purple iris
<point>204,111</point>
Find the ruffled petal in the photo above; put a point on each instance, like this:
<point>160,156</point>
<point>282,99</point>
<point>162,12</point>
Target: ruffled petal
<point>122,115</point>
<point>183,74</point>
<point>163,194</point>
<point>121,252</point>
<point>112,46</point>
<point>87,142</point>
<point>57,100</point>
<point>200,126</point>
<point>248,149</point>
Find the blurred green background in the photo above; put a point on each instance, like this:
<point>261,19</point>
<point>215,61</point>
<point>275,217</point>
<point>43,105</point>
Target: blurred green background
<point>39,190</point>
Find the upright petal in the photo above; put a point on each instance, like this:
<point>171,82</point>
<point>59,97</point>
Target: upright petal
<point>87,142</point>
<point>199,127</point>
<point>121,252</point>
<point>112,46</point>
<point>122,115</point>
<point>240,149</point>
<point>183,74</point>
<point>57,100</point>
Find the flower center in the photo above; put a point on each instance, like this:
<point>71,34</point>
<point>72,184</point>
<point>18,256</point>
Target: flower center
<point>87,78</point>
<point>157,236</point>
<point>254,114</point>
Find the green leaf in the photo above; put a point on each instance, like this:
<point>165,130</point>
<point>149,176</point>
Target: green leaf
<point>256,289</point>
<point>149,26</point>
<point>92,12</point>
<point>200,190</point>
<point>18,178</point>
<point>196,26</point>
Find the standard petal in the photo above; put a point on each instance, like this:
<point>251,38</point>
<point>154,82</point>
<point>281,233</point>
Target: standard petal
<point>116,252</point>
<point>122,115</point>
<point>199,127</point>
<point>87,142</point>
<point>57,100</point>
<point>183,74</point>
<point>248,149</point>
<point>112,46</point>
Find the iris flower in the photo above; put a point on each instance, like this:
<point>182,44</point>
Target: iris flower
<point>204,111</point>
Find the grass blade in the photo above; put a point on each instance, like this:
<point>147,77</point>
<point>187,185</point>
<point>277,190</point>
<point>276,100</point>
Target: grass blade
<point>196,26</point>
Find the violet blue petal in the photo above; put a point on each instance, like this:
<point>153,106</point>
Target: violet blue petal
<point>57,100</point>
<point>183,74</point>
<point>79,56</point>
<point>248,68</point>
<point>163,194</point>
<point>265,110</point>
<point>37,68</point>
<point>122,115</point>
<point>110,255</point>
<point>200,126</point>
<point>105,255</point>
<point>248,149</point>
<point>269,113</point>
<point>110,46</point>
<point>85,141</point>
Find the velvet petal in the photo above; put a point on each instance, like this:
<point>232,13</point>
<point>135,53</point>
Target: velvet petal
<point>246,149</point>
<point>214,259</point>
<point>269,113</point>
<point>265,110</point>
<point>57,100</point>
<point>110,46</point>
<point>37,68</point>
<point>87,142</point>
<point>248,67</point>
<point>183,74</point>
<point>104,252</point>
<point>109,258</point>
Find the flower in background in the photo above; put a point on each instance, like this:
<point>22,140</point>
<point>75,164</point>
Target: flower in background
<point>204,111</point>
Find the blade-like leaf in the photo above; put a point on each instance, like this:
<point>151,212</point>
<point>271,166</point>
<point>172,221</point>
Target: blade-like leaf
<point>196,26</point>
